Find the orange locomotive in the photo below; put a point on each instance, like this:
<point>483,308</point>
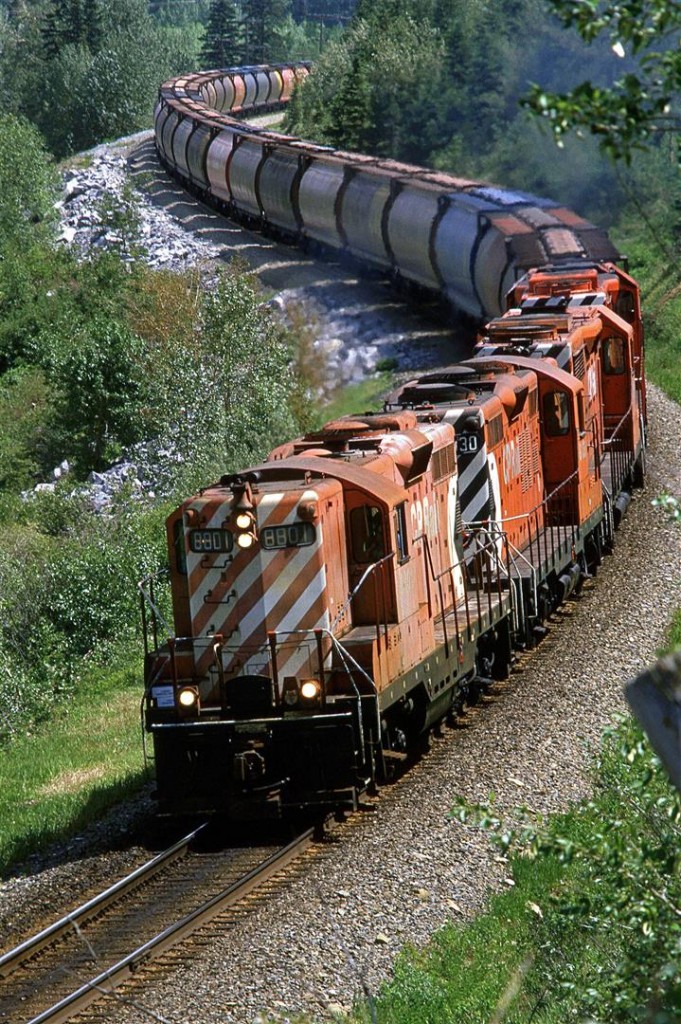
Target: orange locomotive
<point>334,603</point>
<point>323,621</point>
<point>589,284</point>
<point>583,333</point>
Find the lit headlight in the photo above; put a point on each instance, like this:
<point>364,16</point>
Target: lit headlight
<point>244,520</point>
<point>245,540</point>
<point>188,697</point>
<point>310,689</point>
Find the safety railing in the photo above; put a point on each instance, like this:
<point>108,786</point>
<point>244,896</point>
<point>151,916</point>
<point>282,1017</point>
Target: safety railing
<point>341,657</point>
<point>552,526</point>
<point>618,450</point>
<point>378,572</point>
<point>152,617</point>
<point>482,572</point>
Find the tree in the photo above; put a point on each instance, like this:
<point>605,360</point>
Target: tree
<point>642,104</point>
<point>78,22</point>
<point>100,389</point>
<point>261,19</point>
<point>374,89</point>
<point>56,56</point>
<point>223,44</point>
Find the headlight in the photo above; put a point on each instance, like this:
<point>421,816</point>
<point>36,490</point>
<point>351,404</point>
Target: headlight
<point>244,520</point>
<point>310,689</point>
<point>245,540</point>
<point>188,697</point>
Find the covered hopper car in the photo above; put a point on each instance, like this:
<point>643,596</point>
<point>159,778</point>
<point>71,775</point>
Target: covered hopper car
<point>467,241</point>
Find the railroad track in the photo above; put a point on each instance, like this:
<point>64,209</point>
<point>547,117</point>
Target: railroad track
<point>84,956</point>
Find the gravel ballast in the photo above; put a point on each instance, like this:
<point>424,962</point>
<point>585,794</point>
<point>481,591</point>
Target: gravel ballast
<point>395,875</point>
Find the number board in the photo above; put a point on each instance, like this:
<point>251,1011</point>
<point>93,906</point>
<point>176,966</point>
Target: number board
<point>295,535</point>
<point>467,444</point>
<point>210,541</point>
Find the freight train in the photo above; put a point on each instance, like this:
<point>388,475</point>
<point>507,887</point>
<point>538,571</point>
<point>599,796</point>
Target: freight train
<point>333,604</point>
<point>466,241</point>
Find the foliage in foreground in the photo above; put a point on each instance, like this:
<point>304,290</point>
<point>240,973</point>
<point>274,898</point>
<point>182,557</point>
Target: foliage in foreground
<point>641,104</point>
<point>590,930</point>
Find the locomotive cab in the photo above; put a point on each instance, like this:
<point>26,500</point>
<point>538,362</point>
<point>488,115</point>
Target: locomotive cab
<point>583,284</point>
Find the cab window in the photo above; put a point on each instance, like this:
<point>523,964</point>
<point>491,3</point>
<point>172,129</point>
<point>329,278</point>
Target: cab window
<point>625,306</point>
<point>613,356</point>
<point>367,535</point>
<point>401,534</point>
<point>556,413</point>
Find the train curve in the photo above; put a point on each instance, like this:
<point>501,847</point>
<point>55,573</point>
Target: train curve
<point>467,241</point>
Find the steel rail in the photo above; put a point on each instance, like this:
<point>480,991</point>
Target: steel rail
<point>108,980</point>
<point>14,958</point>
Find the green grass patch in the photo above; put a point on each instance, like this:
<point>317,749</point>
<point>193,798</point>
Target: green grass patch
<point>468,970</point>
<point>580,934</point>
<point>67,771</point>
<point>366,396</point>
<point>675,631</point>
<point>661,299</point>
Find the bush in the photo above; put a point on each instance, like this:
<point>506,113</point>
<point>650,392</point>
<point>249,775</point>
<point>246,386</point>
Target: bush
<point>28,183</point>
<point>605,933</point>
<point>68,586</point>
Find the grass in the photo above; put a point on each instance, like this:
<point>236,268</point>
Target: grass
<point>363,397</point>
<point>661,299</point>
<point>470,970</point>
<point>71,768</point>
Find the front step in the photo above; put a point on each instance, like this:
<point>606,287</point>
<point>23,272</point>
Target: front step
<point>396,756</point>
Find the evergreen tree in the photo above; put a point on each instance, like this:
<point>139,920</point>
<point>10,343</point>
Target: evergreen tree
<point>75,22</point>
<point>254,23</point>
<point>262,18</point>
<point>223,44</point>
<point>352,116</point>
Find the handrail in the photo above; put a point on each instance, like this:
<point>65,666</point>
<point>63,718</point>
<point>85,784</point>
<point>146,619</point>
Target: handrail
<point>533,576</point>
<point>335,642</point>
<point>365,575</point>
<point>345,657</point>
<point>620,423</point>
<point>479,523</point>
<point>620,450</point>
<point>148,597</point>
<point>487,548</point>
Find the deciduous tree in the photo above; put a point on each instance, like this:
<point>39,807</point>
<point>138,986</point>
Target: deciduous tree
<point>643,102</point>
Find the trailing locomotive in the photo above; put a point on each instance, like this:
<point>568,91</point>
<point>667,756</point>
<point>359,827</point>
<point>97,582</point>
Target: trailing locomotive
<point>467,241</point>
<point>333,604</point>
